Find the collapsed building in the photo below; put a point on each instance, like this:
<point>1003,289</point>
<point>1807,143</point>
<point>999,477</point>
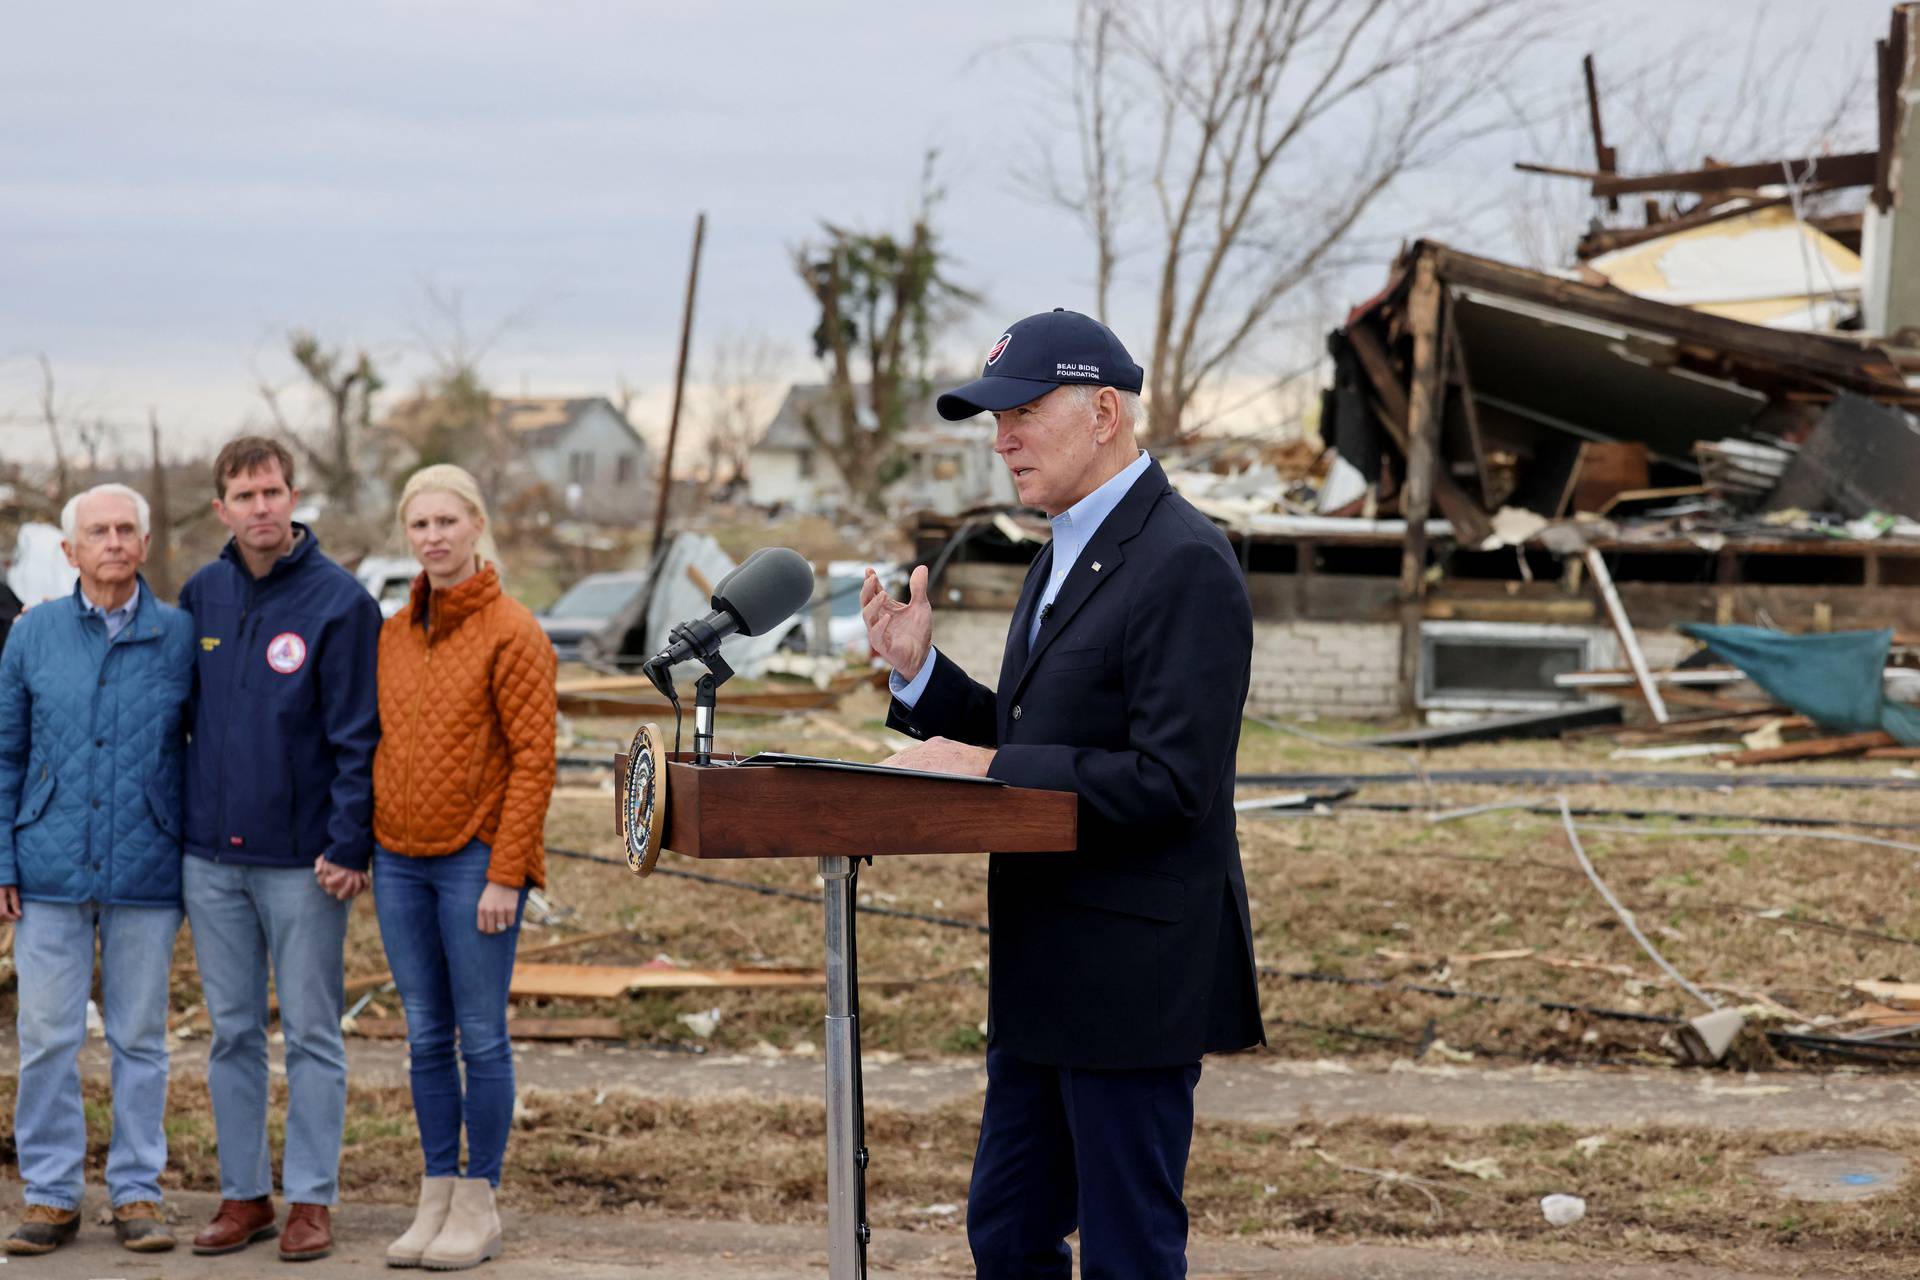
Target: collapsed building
<point>1720,402</point>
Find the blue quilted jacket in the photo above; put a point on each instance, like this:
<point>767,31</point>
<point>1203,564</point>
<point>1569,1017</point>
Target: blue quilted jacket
<point>92,748</point>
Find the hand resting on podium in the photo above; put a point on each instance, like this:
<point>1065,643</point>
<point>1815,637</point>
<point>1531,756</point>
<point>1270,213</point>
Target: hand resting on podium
<point>943,755</point>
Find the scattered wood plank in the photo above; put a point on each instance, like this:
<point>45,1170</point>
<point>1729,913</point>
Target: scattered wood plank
<point>517,1028</point>
<point>1893,753</point>
<point>1587,966</point>
<point>1896,995</point>
<point>1529,724</point>
<point>1851,744</point>
<point>1616,678</point>
<point>604,982</point>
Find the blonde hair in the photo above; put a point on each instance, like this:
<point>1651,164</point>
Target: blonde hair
<point>444,477</point>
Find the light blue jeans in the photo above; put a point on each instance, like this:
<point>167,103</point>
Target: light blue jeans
<point>242,917</point>
<point>53,956</point>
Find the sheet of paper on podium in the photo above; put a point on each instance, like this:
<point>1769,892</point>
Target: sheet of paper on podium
<point>783,758</point>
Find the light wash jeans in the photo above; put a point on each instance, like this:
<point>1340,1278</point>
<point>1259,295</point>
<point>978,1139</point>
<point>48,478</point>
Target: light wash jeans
<point>53,956</point>
<point>241,917</point>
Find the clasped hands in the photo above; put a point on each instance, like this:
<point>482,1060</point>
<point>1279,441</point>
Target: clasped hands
<point>339,882</point>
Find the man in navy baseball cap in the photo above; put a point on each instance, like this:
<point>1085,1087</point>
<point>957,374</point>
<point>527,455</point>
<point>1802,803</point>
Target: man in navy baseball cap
<point>1052,349</point>
<point>1114,970</point>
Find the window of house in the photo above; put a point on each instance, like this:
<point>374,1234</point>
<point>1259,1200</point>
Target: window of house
<point>625,468</point>
<point>580,467</point>
<point>806,464</point>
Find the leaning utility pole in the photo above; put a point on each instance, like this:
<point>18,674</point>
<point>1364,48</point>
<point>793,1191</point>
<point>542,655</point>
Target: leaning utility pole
<point>160,562</point>
<point>679,388</point>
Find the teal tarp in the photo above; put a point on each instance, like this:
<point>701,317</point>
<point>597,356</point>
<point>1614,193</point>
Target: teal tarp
<point>1835,679</point>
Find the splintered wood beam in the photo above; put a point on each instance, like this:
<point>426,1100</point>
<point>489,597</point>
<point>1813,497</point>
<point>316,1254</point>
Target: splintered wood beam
<point>1470,523</point>
<point>1623,627</point>
<point>1851,744</point>
<point>1856,169</point>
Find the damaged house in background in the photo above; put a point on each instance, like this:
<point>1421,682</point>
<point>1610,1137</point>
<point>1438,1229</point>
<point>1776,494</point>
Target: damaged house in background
<point>1710,419</point>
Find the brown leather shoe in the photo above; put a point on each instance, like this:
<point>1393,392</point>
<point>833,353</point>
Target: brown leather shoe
<point>237,1224</point>
<point>309,1233</point>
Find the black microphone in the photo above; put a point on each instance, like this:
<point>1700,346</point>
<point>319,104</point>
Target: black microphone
<point>766,589</point>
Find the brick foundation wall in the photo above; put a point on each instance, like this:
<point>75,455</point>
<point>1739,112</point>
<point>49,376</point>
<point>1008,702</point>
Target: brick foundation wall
<point>1347,669</point>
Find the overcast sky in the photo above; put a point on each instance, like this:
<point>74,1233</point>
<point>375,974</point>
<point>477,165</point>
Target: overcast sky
<point>182,184</point>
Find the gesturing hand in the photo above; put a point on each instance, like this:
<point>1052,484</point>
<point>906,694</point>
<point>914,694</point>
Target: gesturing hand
<point>900,634</point>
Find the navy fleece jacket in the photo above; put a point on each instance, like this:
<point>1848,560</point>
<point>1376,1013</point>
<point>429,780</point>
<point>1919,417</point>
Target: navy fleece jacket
<point>280,768</point>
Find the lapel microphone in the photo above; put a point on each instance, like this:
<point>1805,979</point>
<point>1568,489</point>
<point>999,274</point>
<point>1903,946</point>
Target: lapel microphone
<point>1045,609</point>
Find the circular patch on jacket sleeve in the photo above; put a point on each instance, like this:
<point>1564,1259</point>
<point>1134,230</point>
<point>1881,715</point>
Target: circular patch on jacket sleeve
<point>286,653</point>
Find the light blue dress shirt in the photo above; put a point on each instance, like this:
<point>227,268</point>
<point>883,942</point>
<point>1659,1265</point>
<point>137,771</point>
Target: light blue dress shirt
<point>1073,529</point>
<point>116,619</point>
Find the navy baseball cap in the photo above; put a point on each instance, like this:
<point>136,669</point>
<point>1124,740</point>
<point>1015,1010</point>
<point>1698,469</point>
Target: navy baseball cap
<point>1036,355</point>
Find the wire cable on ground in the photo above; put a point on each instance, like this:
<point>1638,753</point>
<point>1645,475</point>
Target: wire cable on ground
<point>773,891</point>
<point>1626,916</point>
<point>1266,971</point>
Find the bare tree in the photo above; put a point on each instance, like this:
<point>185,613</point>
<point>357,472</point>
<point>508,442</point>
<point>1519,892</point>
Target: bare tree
<point>50,415</point>
<point>881,299</point>
<point>93,433</point>
<point>1268,131</point>
<point>451,416</point>
<point>742,381</point>
<point>348,387</point>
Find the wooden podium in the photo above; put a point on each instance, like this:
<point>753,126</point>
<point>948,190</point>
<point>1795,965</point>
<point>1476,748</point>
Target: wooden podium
<point>840,815</point>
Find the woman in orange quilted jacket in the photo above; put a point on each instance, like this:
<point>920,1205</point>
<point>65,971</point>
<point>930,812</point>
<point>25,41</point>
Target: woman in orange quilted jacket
<point>460,788</point>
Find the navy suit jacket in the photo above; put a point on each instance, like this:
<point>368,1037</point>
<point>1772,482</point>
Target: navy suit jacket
<point>1136,949</point>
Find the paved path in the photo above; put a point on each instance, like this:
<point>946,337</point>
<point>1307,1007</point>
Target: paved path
<point>1253,1088</point>
<point>555,1247</point>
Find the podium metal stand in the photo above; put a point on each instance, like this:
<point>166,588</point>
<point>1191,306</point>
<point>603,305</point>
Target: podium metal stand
<point>726,810</point>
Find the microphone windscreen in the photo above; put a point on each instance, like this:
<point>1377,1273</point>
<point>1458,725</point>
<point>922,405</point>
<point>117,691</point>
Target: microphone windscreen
<point>768,587</point>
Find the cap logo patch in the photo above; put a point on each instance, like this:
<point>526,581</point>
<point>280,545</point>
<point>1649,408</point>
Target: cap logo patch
<point>999,348</point>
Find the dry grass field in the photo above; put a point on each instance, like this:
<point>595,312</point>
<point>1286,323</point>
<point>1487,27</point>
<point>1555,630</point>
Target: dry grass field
<point>1493,905</point>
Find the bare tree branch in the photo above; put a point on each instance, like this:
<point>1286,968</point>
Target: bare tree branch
<point>1251,115</point>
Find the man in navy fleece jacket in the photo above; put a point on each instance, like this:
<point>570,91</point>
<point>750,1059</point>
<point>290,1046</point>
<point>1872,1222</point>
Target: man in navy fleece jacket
<point>278,835</point>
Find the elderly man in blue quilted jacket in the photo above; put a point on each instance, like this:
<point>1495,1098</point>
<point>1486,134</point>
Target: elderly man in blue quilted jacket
<point>94,693</point>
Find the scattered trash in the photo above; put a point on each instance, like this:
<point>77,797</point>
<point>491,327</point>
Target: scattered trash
<point>701,1024</point>
<point>1562,1210</point>
<point>1485,1168</point>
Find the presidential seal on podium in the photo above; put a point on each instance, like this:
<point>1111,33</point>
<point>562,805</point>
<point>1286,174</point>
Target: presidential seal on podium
<point>643,798</point>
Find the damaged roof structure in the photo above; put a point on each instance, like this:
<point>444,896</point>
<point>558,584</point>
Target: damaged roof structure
<point>1715,409</point>
<point>1674,401</point>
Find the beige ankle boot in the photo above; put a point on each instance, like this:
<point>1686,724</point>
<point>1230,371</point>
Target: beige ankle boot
<point>436,1196</point>
<point>471,1233</point>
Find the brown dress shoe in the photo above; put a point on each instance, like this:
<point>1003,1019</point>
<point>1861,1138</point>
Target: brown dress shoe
<point>309,1233</point>
<point>238,1224</point>
<point>142,1227</point>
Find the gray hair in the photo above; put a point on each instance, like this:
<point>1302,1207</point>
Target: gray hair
<point>70,514</point>
<point>1133,413</point>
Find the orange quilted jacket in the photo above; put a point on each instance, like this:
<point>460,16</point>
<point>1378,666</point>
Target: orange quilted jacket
<point>466,728</point>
